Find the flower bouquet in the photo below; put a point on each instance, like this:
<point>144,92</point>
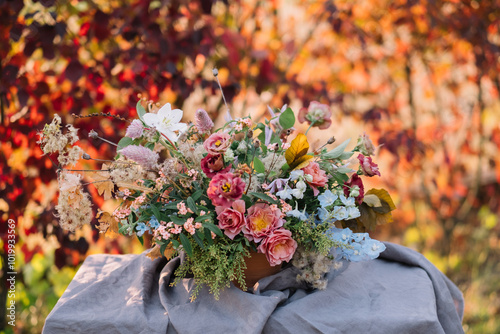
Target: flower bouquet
<point>220,194</point>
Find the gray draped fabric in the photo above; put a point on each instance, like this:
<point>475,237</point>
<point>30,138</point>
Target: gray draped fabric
<point>401,292</point>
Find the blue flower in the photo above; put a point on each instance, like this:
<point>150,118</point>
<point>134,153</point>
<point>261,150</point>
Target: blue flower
<point>339,213</point>
<point>302,215</point>
<point>373,248</point>
<point>322,214</point>
<point>341,235</point>
<point>141,228</point>
<point>353,212</point>
<point>327,198</point>
<point>154,223</point>
<point>349,201</point>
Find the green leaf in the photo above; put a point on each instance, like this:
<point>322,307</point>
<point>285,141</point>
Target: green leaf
<point>156,212</point>
<point>258,165</point>
<point>124,142</point>
<point>171,206</point>
<point>201,218</point>
<point>141,239</point>
<point>192,205</point>
<point>264,197</point>
<point>287,119</point>
<point>213,228</point>
<point>186,244</point>
<point>175,243</point>
<point>177,220</point>
<point>163,247</point>
<point>337,151</point>
<point>208,236</point>
<point>198,240</point>
<point>197,194</point>
<point>140,109</point>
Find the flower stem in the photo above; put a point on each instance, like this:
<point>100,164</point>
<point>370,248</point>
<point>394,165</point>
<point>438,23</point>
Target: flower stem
<point>310,126</point>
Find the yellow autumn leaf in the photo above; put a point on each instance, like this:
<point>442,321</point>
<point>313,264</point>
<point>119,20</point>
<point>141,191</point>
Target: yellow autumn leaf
<point>383,196</point>
<point>155,253</point>
<point>103,183</point>
<point>107,224</point>
<point>296,154</point>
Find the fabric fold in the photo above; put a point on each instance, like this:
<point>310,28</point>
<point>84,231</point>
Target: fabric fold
<point>399,292</point>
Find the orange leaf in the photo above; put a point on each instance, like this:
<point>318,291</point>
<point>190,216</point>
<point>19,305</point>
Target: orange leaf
<point>296,154</point>
<point>103,183</point>
<point>107,224</point>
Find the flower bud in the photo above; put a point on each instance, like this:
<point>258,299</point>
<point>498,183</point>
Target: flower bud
<point>215,72</point>
<point>256,143</point>
<point>93,134</point>
<point>86,156</point>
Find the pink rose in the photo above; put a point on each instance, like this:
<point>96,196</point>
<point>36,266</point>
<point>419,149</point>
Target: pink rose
<point>225,188</point>
<point>213,164</point>
<point>319,176</point>
<point>278,247</point>
<point>317,114</point>
<point>217,143</point>
<point>232,220</point>
<point>365,145</point>
<point>368,167</point>
<point>262,219</point>
<point>355,182</point>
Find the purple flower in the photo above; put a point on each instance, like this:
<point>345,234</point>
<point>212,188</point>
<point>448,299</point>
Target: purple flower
<point>140,154</point>
<point>135,129</point>
<point>203,121</point>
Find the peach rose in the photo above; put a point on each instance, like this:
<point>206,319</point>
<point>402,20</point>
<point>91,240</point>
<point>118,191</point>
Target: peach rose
<point>319,176</point>
<point>262,219</point>
<point>279,246</point>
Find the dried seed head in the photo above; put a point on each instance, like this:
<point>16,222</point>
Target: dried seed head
<point>215,72</point>
<point>250,134</point>
<point>256,143</point>
<point>93,134</point>
<point>331,140</point>
<point>86,156</point>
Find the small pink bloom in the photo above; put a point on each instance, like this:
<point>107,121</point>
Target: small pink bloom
<point>217,143</point>
<point>176,230</point>
<point>213,164</point>
<point>225,189</point>
<point>279,246</point>
<point>355,181</point>
<point>365,145</point>
<point>135,129</point>
<point>317,113</point>
<point>198,226</point>
<point>189,227</point>
<point>238,127</point>
<point>232,220</point>
<point>140,154</point>
<point>368,167</point>
<point>203,121</point>
<point>285,207</point>
<point>319,176</point>
<point>262,219</point>
<point>182,208</point>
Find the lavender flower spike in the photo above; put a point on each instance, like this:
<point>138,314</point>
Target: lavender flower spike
<point>142,155</point>
<point>203,121</point>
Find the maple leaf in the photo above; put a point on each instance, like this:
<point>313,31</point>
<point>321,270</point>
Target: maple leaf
<point>103,183</point>
<point>107,224</point>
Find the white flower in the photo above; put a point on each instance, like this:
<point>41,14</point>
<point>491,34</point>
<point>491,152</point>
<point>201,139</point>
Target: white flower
<point>285,193</point>
<point>299,190</point>
<point>349,201</point>
<point>295,174</point>
<point>166,121</point>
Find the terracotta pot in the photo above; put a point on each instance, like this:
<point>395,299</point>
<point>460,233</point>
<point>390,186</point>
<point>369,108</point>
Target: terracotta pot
<point>257,267</point>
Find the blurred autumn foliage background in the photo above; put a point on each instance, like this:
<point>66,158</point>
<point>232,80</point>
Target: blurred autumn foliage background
<point>420,77</point>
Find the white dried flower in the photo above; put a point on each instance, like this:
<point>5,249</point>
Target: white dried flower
<point>71,156</point>
<point>74,208</point>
